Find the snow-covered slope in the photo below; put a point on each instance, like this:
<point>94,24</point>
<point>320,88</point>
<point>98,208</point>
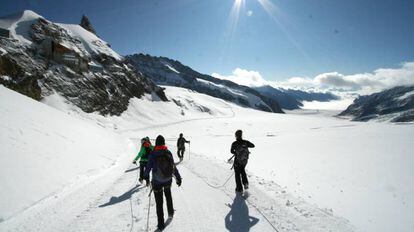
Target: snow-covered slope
<point>42,57</point>
<point>19,25</point>
<point>44,150</point>
<point>89,41</point>
<point>395,104</point>
<point>164,71</point>
<point>306,172</point>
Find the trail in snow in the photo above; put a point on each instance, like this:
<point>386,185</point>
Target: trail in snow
<point>201,205</point>
<point>198,208</point>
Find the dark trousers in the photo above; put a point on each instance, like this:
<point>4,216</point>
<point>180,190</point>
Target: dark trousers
<point>142,167</point>
<point>240,175</point>
<point>158,190</point>
<point>180,152</point>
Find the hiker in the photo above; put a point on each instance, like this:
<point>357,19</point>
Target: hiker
<point>142,156</point>
<point>161,163</point>
<point>181,146</point>
<point>240,151</point>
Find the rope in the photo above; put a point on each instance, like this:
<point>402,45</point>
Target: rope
<point>220,188</point>
<point>149,208</point>
<point>131,206</point>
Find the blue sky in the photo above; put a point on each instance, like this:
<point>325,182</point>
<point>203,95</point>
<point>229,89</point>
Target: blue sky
<point>298,38</point>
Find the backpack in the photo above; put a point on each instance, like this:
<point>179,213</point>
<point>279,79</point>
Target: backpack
<point>242,155</point>
<point>165,166</point>
<point>146,154</point>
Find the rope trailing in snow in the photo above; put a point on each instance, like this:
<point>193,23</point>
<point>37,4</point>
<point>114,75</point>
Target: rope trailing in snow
<point>149,207</point>
<point>221,188</point>
<point>130,203</point>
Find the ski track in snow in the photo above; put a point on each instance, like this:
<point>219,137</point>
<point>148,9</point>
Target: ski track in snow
<point>201,204</point>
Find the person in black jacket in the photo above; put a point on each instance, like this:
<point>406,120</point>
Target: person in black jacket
<point>240,151</point>
<point>161,163</point>
<point>181,146</point>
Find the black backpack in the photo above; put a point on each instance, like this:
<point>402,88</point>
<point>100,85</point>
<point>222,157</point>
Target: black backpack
<point>165,164</point>
<point>242,155</point>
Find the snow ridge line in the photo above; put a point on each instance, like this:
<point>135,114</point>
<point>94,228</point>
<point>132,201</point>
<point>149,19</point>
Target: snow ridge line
<point>227,194</point>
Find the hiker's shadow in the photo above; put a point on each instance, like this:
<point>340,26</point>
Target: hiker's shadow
<point>238,218</point>
<point>125,196</point>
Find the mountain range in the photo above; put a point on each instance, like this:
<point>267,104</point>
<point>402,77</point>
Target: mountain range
<point>395,104</point>
<point>39,58</point>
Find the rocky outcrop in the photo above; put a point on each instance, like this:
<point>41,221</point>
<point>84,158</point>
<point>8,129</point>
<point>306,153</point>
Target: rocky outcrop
<point>85,23</point>
<point>58,62</point>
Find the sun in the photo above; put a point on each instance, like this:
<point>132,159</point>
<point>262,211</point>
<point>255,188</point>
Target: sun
<point>235,15</point>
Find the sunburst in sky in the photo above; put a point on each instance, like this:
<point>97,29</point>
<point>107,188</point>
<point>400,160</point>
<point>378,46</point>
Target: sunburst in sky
<point>273,11</point>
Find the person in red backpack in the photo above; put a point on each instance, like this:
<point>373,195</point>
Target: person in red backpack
<point>161,163</point>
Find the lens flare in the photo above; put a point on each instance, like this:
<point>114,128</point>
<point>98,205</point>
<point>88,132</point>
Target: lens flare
<point>235,15</point>
<point>277,15</point>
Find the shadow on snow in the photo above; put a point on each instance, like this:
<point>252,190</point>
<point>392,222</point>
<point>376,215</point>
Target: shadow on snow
<point>125,196</point>
<point>238,218</point>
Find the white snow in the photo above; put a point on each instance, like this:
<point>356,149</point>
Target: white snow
<point>307,170</point>
<point>91,43</point>
<point>19,25</point>
<point>406,95</point>
<point>44,150</point>
<point>250,98</point>
<point>171,67</point>
<point>2,51</point>
<point>6,78</point>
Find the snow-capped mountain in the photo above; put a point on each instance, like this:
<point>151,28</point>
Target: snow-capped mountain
<point>165,71</point>
<point>39,58</point>
<point>291,99</point>
<point>396,104</point>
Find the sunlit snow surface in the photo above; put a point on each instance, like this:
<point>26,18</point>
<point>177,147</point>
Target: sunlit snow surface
<point>362,171</point>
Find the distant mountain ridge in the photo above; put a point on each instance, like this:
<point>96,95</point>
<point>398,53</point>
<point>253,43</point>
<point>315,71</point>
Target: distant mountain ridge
<point>39,58</point>
<point>165,71</point>
<point>291,99</point>
<point>395,104</point>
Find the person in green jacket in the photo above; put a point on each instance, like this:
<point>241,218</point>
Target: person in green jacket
<point>146,149</point>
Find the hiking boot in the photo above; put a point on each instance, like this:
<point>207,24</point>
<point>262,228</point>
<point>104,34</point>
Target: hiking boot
<point>246,186</point>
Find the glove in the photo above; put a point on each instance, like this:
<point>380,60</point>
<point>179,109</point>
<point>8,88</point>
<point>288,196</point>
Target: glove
<point>179,182</point>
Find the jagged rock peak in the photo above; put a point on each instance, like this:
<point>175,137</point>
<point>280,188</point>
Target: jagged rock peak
<point>85,23</point>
